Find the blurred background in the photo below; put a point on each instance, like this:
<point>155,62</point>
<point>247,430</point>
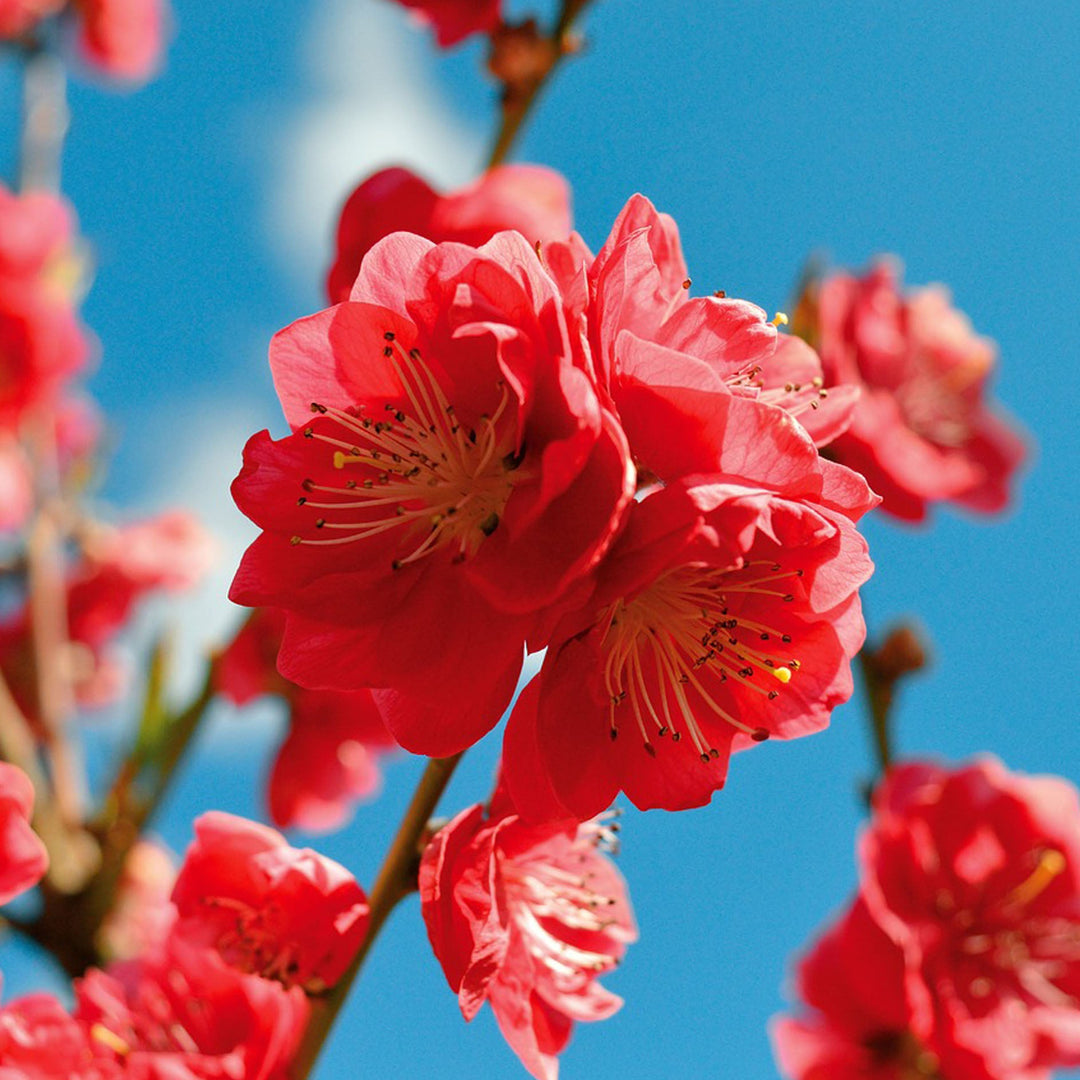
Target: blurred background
<point>947,134</point>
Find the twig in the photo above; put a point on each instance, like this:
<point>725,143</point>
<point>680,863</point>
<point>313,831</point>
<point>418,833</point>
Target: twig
<point>44,122</point>
<point>395,881</point>
<point>520,96</point>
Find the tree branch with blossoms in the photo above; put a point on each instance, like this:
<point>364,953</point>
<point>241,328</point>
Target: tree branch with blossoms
<point>501,444</point>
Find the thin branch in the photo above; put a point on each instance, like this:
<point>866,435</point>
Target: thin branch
<point>45,121</point>
<point>395,881</point>
<point>519,97</point>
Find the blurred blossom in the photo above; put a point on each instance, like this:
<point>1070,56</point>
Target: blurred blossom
<point>453,20</point>
<point>923,431</point>
<point>23,860</point>
<point>531,199</point>
<point>328,759</point>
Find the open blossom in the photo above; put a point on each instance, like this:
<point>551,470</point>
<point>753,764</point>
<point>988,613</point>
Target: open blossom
<point>975,873</point>
<point>724,615</point>
<point>923,431</point>
<point>270,909</point>
<point>531,199</point>
<point>181,1013</point>
<point>453,20</point>
<point>650,343</point>
<point>41,340</point>
<point>526,918</point>
<point>443,435</point>
<point>23,859</point>
<point>861,1025</point>
<point>329,757</point>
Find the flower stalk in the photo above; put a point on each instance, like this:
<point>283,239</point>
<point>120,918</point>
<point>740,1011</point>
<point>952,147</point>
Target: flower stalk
<point>396,879</point>
<point>522,88</point>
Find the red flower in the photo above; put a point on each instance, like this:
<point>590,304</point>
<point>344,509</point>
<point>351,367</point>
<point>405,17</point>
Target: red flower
<point>18,16</point>
<point>526,918</point>
<point>329,758</point>
<point>40,1041</point>
<point>123,38</point>
<point>119,567</point>
<point>862,1026</point>
<point>268,908</point>
<point>724,614</point>
<point>530,199</point>
<point>976,875</point>
<point>922,431</point>
<point>409,526</point>
<point>453,20</point>
<point>41,341</point>
<point>651,343</point>
<point>180,1013</point>
<point>23,859</point>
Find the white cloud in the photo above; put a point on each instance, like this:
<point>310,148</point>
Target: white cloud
<point>372,102</point>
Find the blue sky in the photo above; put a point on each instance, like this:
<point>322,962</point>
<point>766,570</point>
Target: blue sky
<point>948,134</point>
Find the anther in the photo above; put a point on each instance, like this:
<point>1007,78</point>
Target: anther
<point>316,407</point>
<point>650,749</point>
<point>760,735</point>
<point>389,335</point>
<point>320,522</point>
<point>687,283</point>
<point>308,485</point>
<point>294,540</point>
<point>676,736</point>
<point>301,500</point>
<point>705,759</point>
<point>779,319</point>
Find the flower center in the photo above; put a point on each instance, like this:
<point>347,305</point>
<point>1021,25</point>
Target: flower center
<point>418,469</point>
<point>690,638</point>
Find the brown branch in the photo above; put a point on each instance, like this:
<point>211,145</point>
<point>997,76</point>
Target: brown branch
<point>395,881</point>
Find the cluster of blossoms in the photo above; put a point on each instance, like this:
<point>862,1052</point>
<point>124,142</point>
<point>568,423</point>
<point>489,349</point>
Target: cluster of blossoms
<point>219,985</point>
<point>959,958</point>
<point>122,39</point>
<point>509,447</point>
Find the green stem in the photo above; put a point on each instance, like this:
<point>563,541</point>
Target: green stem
<point>395,881</point>
<point>879,694</point>
<point>517,106</point>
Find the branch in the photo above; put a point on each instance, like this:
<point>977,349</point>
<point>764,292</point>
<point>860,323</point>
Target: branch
<point>395,881</point>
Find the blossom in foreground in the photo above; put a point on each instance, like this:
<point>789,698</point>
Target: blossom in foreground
<point>923,431</point>
<point>329,757</point>
<point>650,344</point>
<point>526,918</point>
<point>724,615</point>
<point>531,199</point>
<point>443,438</point>
<point>860,1024</point>
<point>269,909</point>
<point>41,341</point>
<point>453,20</point>
<point>23,859</point>
<point>39,1040</point>
<point>975,873</point>
<point>181,1013</point>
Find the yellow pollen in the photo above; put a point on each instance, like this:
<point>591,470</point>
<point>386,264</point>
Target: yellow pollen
<point>780,319</point>
<point>1050,864</point>
<point>110,1039</point>
<point>781,673</point>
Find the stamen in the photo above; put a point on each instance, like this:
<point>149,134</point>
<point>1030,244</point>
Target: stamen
<point>1051,863</point>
